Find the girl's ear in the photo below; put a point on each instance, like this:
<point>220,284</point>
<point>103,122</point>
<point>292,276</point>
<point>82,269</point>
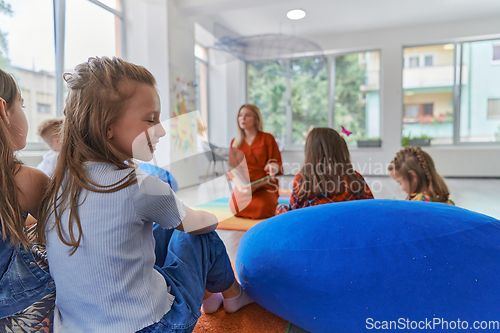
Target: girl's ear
<point>3,112</point>
<point>413,176</point>
<point>110,133</point>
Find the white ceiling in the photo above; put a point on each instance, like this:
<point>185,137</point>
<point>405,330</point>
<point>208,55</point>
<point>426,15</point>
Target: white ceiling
<point>250,17</point>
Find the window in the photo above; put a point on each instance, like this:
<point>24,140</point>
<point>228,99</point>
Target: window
<point>43,108</point>
<point>267,91</point>
<point>496,52</point>
<point>309,98</point>
<point>428,109</point>
<point>414,61</point>
<point>357,75</point>
<point>411,112</point>
<point>428,61</point>
<point>28,33</point>
<point>493,108</point>
<point>479,121</point>
<point>463,80</point>
<point>428,93</point>
<point>83,40</point>
<point>356,107</point>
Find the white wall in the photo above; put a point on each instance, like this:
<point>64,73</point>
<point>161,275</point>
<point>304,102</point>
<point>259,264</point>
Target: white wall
<point>465,161</point>
<point>226,95</point>
<point>161,39</point>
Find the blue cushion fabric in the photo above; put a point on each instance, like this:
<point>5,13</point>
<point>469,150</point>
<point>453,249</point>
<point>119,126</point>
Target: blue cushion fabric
<point>332,267</point>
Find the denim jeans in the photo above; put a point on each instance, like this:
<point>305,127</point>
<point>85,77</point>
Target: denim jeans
<point>190,264</point>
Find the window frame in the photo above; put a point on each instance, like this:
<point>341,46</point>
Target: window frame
<point>457,86</point>
<point>330,63</point>
<point>59,16</point>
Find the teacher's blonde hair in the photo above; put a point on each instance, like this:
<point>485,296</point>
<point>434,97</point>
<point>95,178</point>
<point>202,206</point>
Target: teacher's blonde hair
<point>240,134</point>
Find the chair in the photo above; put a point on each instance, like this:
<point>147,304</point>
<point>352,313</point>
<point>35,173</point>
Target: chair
<point>214,154</point>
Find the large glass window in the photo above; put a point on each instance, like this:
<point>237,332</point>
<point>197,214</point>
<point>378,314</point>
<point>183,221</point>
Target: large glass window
<point>307,91</point>
<point>27,52</point>
<point>480,93</point>
<point>428,84</point>
<point>309,97</point>
<point>84,40</point>
<point>464,80</point>
<point>267,90</point>
<point>27,48</point>
<point>357,97</point>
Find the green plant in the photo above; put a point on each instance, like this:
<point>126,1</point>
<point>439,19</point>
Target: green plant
<point>405,140</point>
<point>421,137</point>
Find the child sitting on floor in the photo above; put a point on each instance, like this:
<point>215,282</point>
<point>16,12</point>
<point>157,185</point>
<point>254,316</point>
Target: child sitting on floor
<point>27,293</point>
<point>49,132</point>
<point>414,170</point>
<point>98,217</point>
<point>327,175</point>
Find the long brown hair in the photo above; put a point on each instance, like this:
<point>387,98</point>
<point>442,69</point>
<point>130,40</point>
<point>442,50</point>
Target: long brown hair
<point>327,167</point>
<point>11,217</point>
<point>240,134</point>
<point>414,158</point>
<point>98,95</point>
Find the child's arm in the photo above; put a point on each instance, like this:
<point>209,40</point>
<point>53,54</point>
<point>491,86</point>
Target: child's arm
<point>197,222</point>
<point>155,201</point>
<point>31,184</point>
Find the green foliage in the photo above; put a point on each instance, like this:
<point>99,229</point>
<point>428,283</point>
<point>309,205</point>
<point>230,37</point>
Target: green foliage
<point>267,91</point>
<point>405,141</point>
<point>349,111</point>
<point>5,9</point>
<point>309,98</point>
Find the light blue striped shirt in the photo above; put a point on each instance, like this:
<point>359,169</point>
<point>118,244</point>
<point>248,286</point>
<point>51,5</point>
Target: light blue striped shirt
<point>109,284</point>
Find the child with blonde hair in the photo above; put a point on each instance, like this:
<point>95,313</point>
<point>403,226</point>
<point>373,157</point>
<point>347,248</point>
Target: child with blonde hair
<point>327,175</point>
<point>49,131</point>
<point>27,292</point>
<point>414,170</point>
<point>111,274</point>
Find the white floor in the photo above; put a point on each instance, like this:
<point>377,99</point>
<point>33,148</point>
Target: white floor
<point>480,195</point>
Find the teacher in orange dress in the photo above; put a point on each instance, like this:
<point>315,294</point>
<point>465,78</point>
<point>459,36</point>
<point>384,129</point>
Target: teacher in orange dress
<point>263,158</point>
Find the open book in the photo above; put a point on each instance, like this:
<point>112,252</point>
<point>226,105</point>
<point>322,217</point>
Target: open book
<point>242,183</point>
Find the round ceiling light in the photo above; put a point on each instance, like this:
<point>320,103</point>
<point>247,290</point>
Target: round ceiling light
<point>296,14</point>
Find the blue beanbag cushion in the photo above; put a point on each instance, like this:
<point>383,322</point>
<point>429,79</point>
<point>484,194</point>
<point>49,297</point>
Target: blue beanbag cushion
<point>162,174</point>
<point>372,264</point>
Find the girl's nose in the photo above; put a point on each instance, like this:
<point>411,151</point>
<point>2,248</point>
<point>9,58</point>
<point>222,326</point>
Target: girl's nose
<point>159,130</point>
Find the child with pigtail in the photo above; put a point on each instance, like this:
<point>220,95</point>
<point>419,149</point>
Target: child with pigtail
<point>414,170</point>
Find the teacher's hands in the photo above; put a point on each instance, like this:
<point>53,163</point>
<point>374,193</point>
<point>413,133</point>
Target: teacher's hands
<point>272,169</point>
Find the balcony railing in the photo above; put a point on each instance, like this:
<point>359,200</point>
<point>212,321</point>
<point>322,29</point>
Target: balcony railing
<point>432,76</point>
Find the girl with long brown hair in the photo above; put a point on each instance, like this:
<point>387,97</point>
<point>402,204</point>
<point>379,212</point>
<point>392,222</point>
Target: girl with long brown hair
<point>115,270</point>
<point>26,289</point>
<point>327,175</point>
<point>414,170</point>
